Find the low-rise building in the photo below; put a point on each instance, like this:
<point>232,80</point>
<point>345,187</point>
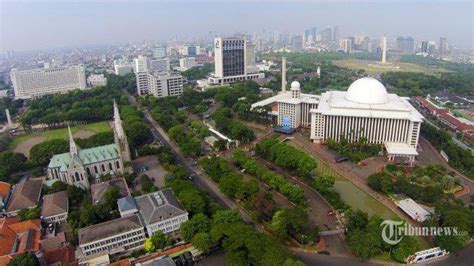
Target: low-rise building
<point>115,236</point>
<point>161,211</point>
<point>99,190</point>
<point>26,195</point>
<point>18,237</point>
<point>127,206</point>
<point>55,207</point>
<point>4,194</point>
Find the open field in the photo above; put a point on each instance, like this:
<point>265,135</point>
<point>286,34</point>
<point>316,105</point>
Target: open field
<point>23,143</point>
<point>375,68</point>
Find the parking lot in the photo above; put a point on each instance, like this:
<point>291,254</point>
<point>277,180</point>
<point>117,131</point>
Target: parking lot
<point>150,166</point>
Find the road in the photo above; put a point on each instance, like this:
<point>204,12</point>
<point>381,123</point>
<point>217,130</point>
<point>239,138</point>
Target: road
<point>453,137</point>
<point>191,167</point>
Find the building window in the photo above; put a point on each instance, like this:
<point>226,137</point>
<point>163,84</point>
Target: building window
<point>103,168</point>
<point>110,166</point>
<point>117,164</point>
<point>95,169</point>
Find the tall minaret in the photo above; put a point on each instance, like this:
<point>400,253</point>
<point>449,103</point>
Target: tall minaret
<point>73,149</point>
<point>384,49</point>
<point>118,121</point>
<point>283,74</point>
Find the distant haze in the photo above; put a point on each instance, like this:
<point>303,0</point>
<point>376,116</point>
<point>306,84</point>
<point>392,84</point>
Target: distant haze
<point>40,25</point>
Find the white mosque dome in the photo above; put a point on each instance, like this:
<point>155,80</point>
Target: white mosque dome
<point>368,91</point>
<point>295,85</point>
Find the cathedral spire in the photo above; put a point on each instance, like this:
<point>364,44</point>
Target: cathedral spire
<point>117,121</point>
<point>73,149</point>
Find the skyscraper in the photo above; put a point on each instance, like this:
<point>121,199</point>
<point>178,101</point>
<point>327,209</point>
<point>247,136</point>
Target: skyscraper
<point>335,33</point>
<point>230,61</point>
<point>424,47</point>
<point>296,43</point>
<point>159,51</point>
<point>443,47</point>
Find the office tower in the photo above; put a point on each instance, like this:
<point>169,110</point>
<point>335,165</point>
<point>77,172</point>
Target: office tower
<point>384,49</point>
<point>250,54</point>
<point>260,44</point>
<point>229,57</point>
<point>191,50</point>
<point>38,82</point>
<point>307,35</point>
<point>230,61</point>
<point>296,43</point>
<point>335,33</point>
<point>159,65</point>
<point>431,48</point>
<point>326,35</point>
<point>443,47</point>
<point>313,33</point>
<point>159,51</point>
<point>346,45</point>
<point>140,64</point>
<point>405,45</point>
<point>424,47</point>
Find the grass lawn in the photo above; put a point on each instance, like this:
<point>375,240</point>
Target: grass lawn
<point>62,133</point>
<point>372,67</point>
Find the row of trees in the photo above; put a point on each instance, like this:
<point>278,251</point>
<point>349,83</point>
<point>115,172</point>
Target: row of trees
<point>275,181</point>
<point>286,156</point>
<point>325,186</point>
<point>231,183</point>
<point>196,73</point>
<point>137,130</point>
<point>459,158</point>
<point>10,163</point>
<point>233,129</point>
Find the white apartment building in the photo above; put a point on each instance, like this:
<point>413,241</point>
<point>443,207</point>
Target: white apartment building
<point>140,64</point>
<point>42,81</point>
<point>159,65</point>
<point>187,63</point>
<point>96,80</point>
<point>161,211</point>
<point>115,236</point>
<point>160,84</point>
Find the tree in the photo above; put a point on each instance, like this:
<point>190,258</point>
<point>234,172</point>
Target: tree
<point>202,241</point>
<point>408,246</point>
<point>40,154</point>
<point>363,244</point>
<point>381,182</point>
<point>111,196</point>
<point>29,214</point>
<point>226,217</point>
<point>324,183</point>
<point>160,240</point>
<point>199,223</point>
<point>24,259</point>
<point>192,201</point>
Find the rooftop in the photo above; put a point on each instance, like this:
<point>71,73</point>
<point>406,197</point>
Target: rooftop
<point>4,189</point>
<point>367,91</point>
<point>54,204</point>
<point>397,148</point>
<point>108,229</point>
<point>98,190</point>
<point>26,194</point>
<point>126,204</point>
<point>18,237</point>
<point>413,209</point>
<point>86,156</point>
<point>158,206</point>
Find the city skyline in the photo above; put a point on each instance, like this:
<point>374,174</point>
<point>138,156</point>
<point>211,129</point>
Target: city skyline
<point>25,25</point>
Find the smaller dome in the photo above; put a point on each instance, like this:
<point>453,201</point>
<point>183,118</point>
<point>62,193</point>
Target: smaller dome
<point>295,85</point>
<point>367,91</point>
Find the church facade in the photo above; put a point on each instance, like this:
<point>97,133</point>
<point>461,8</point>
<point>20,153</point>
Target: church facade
<point>76,166</point>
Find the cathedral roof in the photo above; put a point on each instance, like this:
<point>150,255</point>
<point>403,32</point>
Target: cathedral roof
<point>85,156</point>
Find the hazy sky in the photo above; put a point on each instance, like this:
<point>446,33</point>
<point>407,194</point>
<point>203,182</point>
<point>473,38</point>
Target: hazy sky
<point>27,25</point>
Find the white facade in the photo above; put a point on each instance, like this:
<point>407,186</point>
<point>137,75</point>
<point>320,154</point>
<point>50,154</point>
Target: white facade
<point>167,226</point>
<point>365,110</point>
<point>187,63</point>
<point>112,240</point>
<point>142,83</point>
<point>165,85</point>
<point>122,68</point>
<point>42,81</point>
<point>140,64</point>
<point>96,80</point>
<point>58,218</point>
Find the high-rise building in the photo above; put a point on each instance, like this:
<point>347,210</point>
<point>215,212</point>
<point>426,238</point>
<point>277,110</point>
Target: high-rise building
<point>230,61</point>
<point>313,33</point>
<point>140,64</point>
<point>443,47</point>
<point>432,48</point>
<point>163,85</point>
<point>296,43</point>
<point>405,45</point>
<point>335,34</point>
<point>346,45</point>
<point>186,63</point>
<point>42,81</point>
<point>122,67</point>
<point>326,35</point>
<point>159,65</point>
<point>159,51</point>
<point>250,54</point>
<point>424,47</point>
<point>96,80</point>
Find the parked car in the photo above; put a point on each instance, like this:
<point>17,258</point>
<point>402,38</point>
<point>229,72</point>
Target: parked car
<point>340,159</point>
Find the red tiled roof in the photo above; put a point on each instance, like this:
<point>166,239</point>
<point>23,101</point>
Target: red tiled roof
<point>4,189</point>
<point>27,233</point>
